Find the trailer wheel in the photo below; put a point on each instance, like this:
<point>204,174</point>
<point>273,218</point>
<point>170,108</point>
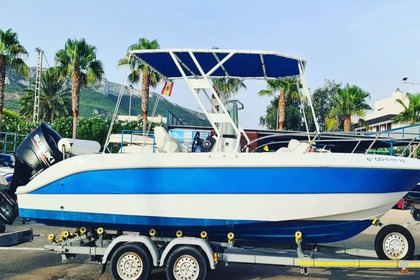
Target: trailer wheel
<point>186,263</point>
<point>130,261</point>
<point>2,227</point>
<point>394,242</point>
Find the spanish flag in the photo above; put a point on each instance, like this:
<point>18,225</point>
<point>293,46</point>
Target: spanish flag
<point>167,88</point>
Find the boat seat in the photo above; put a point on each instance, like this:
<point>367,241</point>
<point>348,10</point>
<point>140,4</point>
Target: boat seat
<point>165,143</point>
<point>295,146</point>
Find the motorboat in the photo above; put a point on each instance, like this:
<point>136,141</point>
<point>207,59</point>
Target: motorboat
<point>264,196</point>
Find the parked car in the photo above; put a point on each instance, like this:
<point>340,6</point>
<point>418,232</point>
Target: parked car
<point>415,193</point>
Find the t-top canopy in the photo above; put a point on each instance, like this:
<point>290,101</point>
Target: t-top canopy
<point>216,63</point>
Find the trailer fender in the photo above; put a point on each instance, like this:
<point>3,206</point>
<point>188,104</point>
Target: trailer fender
<point>189,241</point>
<point>146,241</point>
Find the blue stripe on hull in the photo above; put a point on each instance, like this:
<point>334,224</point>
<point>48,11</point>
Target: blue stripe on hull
<point>282,232</point>
<point>236,181</point>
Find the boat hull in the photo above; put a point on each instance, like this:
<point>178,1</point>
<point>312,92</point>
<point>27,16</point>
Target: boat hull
<point>281,231</point>
<point>254,197</point>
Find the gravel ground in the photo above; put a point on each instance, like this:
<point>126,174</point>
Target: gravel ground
<point>27,261</point>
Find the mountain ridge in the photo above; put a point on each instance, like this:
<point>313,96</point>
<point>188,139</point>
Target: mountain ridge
<point>100,100</point>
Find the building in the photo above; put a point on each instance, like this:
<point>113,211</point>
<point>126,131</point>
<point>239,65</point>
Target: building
<point>382,118</point>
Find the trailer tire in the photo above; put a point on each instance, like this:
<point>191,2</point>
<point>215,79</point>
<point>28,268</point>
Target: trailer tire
<point>2,227</point>
<point>130,261</point>
<point>186,262</point>
<point>394,242</point>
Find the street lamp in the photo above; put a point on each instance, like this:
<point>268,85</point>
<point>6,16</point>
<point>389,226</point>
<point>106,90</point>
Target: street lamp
<point>404,80</point>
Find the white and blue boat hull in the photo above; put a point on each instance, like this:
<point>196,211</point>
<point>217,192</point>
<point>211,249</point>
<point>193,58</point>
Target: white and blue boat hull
<point>331,197</point>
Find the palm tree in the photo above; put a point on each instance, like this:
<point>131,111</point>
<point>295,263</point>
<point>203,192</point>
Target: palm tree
<point>78,62</point>
<point>412,112</point>
<point>227,87</point>
<point>54,99</point>
<point>11,54</point>
<point>349,101</point>
<point>284,86</point>
<point>143,71</point>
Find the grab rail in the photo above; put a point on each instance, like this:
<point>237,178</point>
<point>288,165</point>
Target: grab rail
<point>353,142</point>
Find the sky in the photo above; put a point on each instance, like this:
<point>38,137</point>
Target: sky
<point>372,44</point>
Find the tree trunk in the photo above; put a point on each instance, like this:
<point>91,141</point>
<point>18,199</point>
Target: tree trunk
<point>282,109</point>
<point>415,149</point>
<point>145,96</point>
<point>347,123</point>
<point>2,87</point>
<point>75,90</point>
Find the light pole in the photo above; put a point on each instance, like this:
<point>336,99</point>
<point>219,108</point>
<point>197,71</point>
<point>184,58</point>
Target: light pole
<point>404,80</point>
<point>37,91</point>
<point>129,105</point>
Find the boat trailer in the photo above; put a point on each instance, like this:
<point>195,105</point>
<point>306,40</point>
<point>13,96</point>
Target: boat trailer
<point>149,251</point>
<point>9,239</point>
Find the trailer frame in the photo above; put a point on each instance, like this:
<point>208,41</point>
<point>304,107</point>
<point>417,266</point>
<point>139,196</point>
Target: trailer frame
<point>102,247</point>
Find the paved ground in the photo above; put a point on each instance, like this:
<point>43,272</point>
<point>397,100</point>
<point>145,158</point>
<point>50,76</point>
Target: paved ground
<point>33,264</point>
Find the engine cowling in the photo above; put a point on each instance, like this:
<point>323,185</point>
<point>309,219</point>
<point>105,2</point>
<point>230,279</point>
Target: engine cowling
<point>36,153</point>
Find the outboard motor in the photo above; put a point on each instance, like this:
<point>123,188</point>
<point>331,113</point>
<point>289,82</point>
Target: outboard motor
<point>36,153</point>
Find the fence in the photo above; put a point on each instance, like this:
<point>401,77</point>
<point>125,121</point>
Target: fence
<point>9,141</point>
